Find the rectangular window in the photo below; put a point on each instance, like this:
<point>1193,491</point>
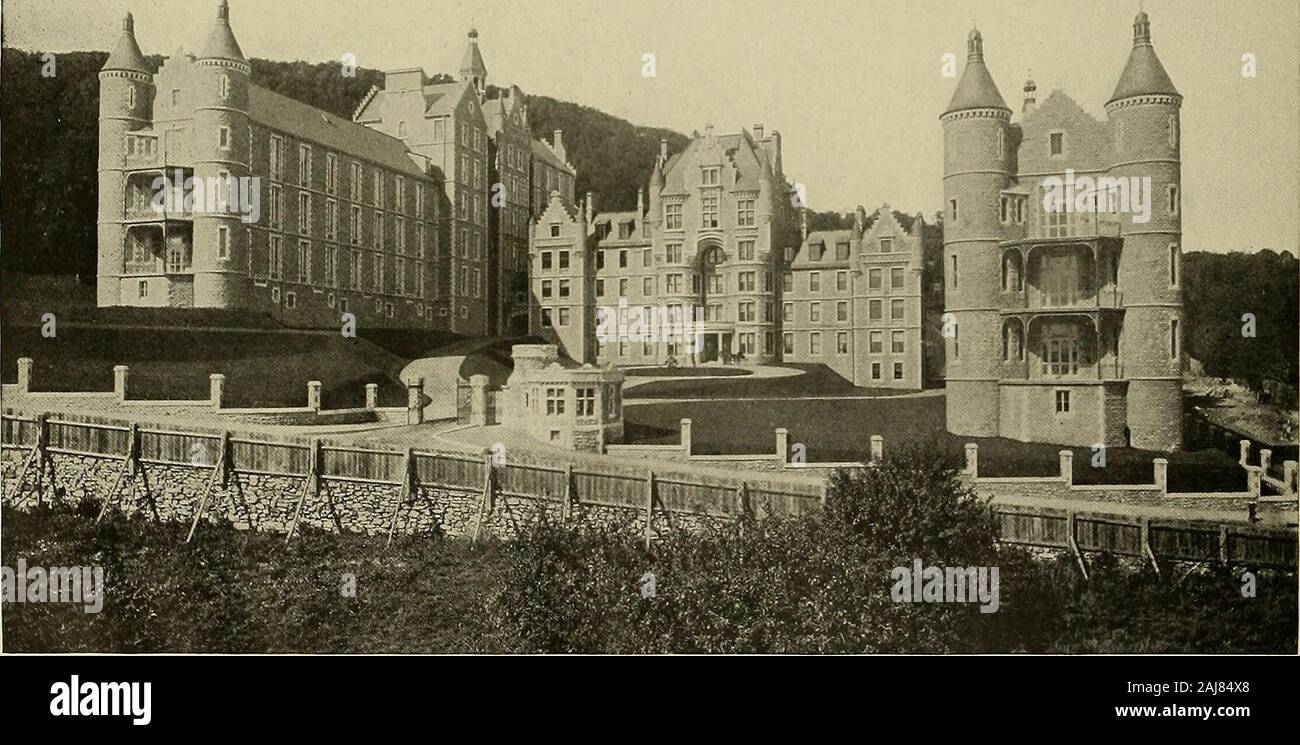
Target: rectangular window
<point>874,279</point>
<point>875,342</point>
<point>875,371</point>
<point>898,371</point>
<point>842,342</point>
<point>304,213</point>
<point>886,245</point>
<point>952,273</point>
<point>1062,402</point>
<point>814,342</point>
<point>223,242</point>
<point>896,342</point>
<point>304,165</point>
<point>787,343</point>
<point>304,261</point>
<point>648,286</point>
<point>1056,144</point>
<point>223,138</point>
<point>586,401</point>
<point>896,310</point>
<point>331,172</point>
<point>564,259</point>
<point>1173,265</point>
<point>874,310</point>
<point>1173,338</point>
<point>673,216</point>
<point>709,209</point>
<point>554,401</point>
<point>952,209</point>
<point>273,258</point>
<point>673,253</point>
<point>896,278</point>
<point>841,251</point>
<point>745,214</point>
<point>841,311</point>
<point>814,281</point>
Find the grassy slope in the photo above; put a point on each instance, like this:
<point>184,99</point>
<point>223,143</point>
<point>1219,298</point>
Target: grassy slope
<point>232,591</point>
<point>171,352</point>
<point>841,430</point>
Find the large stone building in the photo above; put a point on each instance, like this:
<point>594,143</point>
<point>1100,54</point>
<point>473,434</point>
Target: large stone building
<point>717,252</point>
<point>1064,310</point>
<point>707,247</point>
<point>395,216</point>
<point>851,300</point>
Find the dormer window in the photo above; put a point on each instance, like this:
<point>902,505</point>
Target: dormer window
<point>555,230</point>
<point>709,176</point>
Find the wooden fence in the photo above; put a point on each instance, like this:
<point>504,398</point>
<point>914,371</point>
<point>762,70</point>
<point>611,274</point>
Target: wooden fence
<point>617,485</point>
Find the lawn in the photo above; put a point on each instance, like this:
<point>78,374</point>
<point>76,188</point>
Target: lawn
<point>233,591</point>
<point>840,430</point>
<point>816,380</point>
<point>172,351</point>
<point>684,372</point>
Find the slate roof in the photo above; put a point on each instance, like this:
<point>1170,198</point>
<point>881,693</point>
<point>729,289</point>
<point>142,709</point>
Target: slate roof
<point>1143,74</point>
<point>126,55</point>
<point>309,123</point>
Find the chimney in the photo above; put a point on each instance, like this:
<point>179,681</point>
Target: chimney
<point>859,221</point>
<point>591,207</point>
<point>557,141</point>
<point>640,203</point>
<point>663,150</point>
<point>758,131</point>
<point>1031,96</point>
<point>708,130</point>
<point>803,223</point>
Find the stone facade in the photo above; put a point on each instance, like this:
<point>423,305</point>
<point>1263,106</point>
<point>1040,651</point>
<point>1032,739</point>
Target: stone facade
<point>414,214</point>
<point>580,408</point>
<point>1064,314</point>
<point>708,245</point>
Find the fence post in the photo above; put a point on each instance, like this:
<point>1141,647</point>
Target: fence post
<point>313,395</point>
<point>415,401</point>
<point>127,471</point>
<point>1074,543</point>
<point>1253,478</point>
<point>120,375</point>
<point>1148,554</point>
<point>1265,460</point>
<point>877,448</point>
<point>24,374</point>
<point>686,436</point>
<point>782,445</point>
<point>1243,447</point>
<point>1067,467</point>
<point>405,490</point>
<point>478,400</point>
<point>567,505</point>
<point>1161,476</point>
<point>1225,553</point>
<point>1289,469</point>
<point>973,460</point>
<point>372,396</point>
<point>649,506</point>
<point>216,390</point>
<point>310,485</point>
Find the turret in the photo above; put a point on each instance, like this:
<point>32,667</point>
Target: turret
<point>126,92</point>
<point>976,170</point>
<point>1144,117</point>
<point>472,67</point>
<point>220,144</point>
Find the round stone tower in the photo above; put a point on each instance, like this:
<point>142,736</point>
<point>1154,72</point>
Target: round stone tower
<point>221,148</point>
<point>126,93</point>
<point>1143,115</point>
<point>976,170</point>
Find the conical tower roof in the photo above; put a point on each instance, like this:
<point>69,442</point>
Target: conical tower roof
<point>126,55</point>
<point>221,42</point>
<point>472,66</point>
<point>1143,74</point>
<point>976,89</point>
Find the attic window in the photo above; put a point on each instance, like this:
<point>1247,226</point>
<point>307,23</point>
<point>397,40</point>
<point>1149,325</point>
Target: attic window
<point>886,245</point>
<point>1056,144</point>
<point>709,176</point>
<point>555,230</point>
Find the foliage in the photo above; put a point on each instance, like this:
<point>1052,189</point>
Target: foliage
<point>1219,289</point>
<point>822,584</point>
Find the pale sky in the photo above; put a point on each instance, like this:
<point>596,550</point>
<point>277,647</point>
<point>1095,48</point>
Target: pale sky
<point>854,86</point>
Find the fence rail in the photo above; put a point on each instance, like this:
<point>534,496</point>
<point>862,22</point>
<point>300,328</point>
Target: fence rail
<point>629,487</point>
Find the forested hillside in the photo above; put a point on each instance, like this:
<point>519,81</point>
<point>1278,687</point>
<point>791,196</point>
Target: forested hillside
<point>50,132</point>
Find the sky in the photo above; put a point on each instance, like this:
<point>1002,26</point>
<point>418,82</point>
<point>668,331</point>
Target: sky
<point>854,86</point>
